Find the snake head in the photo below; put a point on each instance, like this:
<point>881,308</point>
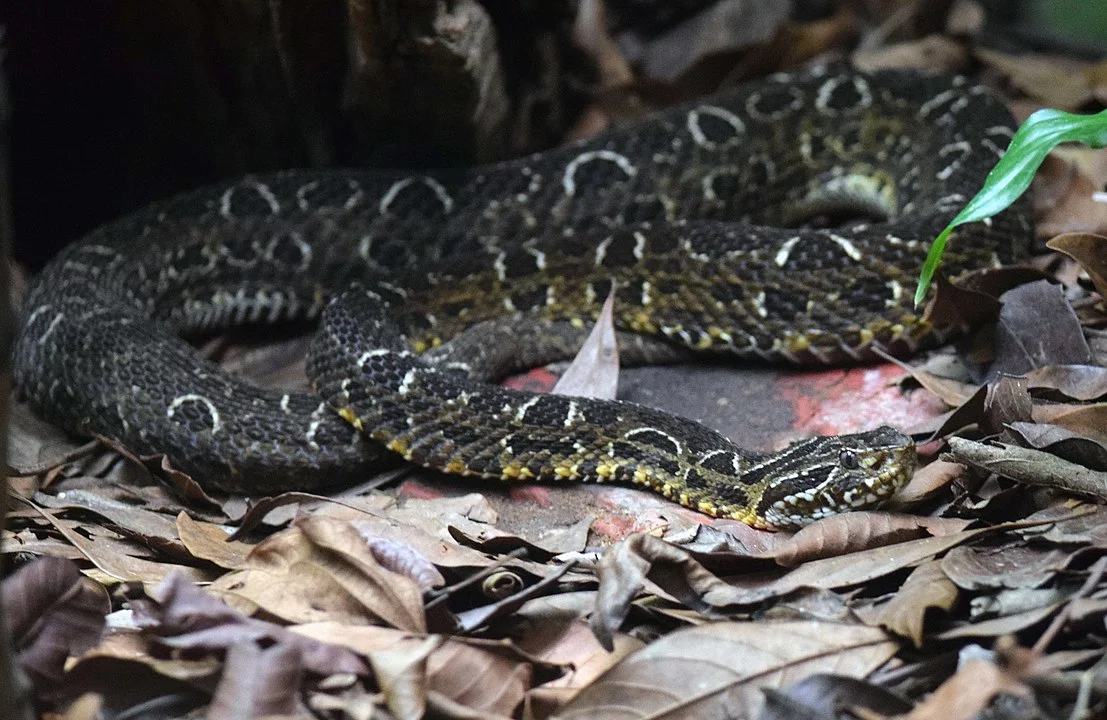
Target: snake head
<point>829,475</point>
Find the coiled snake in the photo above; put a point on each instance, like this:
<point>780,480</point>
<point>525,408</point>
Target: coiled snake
<point>701,217</point>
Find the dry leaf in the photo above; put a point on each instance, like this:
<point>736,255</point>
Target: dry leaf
<point>1088,249</point>
<point>925,588</point>
<point>720,669</point>
<point>324,570</point>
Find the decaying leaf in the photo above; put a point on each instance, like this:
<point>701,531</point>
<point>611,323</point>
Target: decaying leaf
<point>319,569</point>
<point>1088,249</point>
<point>594,371</point>
<point>52,614</point>
<point>926,588</point>
<point>721,668</point>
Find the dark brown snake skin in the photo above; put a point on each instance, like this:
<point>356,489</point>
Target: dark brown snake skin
<point>699,216</point>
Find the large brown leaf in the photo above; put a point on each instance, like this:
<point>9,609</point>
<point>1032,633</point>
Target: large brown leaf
<point>720,669</point>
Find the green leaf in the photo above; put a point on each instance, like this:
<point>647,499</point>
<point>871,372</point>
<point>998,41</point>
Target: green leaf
<point>1011,176</point>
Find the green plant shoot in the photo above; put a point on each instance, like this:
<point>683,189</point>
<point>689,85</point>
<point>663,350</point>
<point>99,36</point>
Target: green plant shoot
<point>1011,176</point>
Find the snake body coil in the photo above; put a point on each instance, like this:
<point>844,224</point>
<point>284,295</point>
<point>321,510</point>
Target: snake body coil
<point>697,215</point>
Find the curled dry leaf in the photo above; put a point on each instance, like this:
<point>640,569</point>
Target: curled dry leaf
<point>52,613</point>
<point>208,541</point>
<point>185,617</point>
<point>721,669</point>
<point>1063,443</point>
<point>452,669</point>
<point>626,567</point>
<point>928,481</point>
<point>1079,382</point>
<point>320,569</point>
<point>848,533</point>
<point>258,682</point>
<point>1088,249</point>
<point>925,588</point>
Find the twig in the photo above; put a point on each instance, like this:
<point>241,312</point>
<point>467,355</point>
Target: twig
<point>1032,467</point>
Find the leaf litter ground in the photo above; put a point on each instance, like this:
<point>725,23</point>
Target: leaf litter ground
<point>415,595</point>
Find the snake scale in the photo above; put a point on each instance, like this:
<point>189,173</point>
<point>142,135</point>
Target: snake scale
<point>719,223</point>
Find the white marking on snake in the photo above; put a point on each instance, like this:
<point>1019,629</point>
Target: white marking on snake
<point>50,328</point>
<point>568,179</point>
<point>646,292</point>
<point>678,447</point>
<point>176,403</point>
<point>692,121</point>
<point>897,292</point>
<point>601,251</point>
<point>639,245</point>
<point>284,404</point>
<point>370,354</point>
<point>500,266</point>
<point>759,304</point>
<point>539,258</point>
<point>847,247</point>
<point>934,102</point>
<point>785,251</point>
<point>356,194</point>
<point>38,311</point>
<point>399,185</point>
<point>822,99</point>
<point>571,414</point>
<point>301,194</point>
<point>509,305</point>
<point>521,411</point>
<point>960,147</point>
<point>406,383</point>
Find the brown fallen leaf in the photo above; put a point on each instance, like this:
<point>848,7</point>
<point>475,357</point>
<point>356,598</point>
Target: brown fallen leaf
<point>721,669</point>
<point>968,693</point>
<point>448,669</point>
<point>1062,442</point>
<point>1007,566</point>
<point>258,682</point>
<point>1037,327</point>
<point>849,533</point>
<point>1088,249</point>
<point>625,569</point>
<point>1066,200</point>
<point>324,570</point>
<point>934,54</point>
<point>928,481</point>
<point>52,613</point>
<point>211,542</point>
<point>594,371</point>
<point>1079,382</point>
<point>926,588</point>
<point>1054,81</point>
<point>826,696</point>
<point>1088,421</point>
<point>182,616</point>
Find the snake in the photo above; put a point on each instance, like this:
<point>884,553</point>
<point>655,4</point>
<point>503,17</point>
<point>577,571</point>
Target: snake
<point>783,220</point>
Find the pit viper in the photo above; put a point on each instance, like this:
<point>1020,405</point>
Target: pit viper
<point>783,220</point>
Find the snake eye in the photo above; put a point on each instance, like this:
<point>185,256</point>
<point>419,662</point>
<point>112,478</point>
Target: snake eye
<point>848,459</point>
